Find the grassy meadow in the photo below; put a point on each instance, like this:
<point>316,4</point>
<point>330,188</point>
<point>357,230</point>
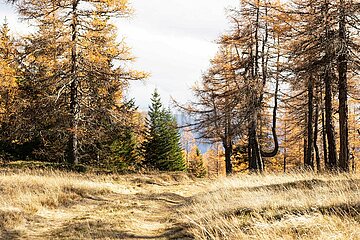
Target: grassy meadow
<point>52,204</point>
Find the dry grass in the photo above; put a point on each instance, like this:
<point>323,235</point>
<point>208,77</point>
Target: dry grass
<point>299,206</point>
<point>58,205</point>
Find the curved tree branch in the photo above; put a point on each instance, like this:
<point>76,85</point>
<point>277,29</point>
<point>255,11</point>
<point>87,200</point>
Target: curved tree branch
<point>273,129</point>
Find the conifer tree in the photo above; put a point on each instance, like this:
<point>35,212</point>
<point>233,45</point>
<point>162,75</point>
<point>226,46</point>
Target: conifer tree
<point>75,64</point>
<point>43,114</point>
<point>8,88</point>
<point>125,145</point>
<point>162,148</point>
<point>347,52</point>
<point>8,82</point>
<point>196,163</point>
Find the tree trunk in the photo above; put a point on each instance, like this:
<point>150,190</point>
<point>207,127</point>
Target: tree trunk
<point>228,153</point>
<point>285,146</point>
<point>256,155</point>
<point>309,163</point>
<point>316,133</point>
<point>274,152</point>
<point>330,132</point>
<point>257,26</point>
<point>227,144</point>
<point>326,162</point>
<point>343,106</point>
<point>73,157</point>
<point>255,161</point>
<point>305,139</point>
<point>328,79</point>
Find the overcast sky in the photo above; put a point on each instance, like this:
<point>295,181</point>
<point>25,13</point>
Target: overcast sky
<point>172,39</point>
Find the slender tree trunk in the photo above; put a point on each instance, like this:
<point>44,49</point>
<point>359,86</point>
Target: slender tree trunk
<point>252,166</point>
<point>309,163</point>
<point>275,150</point>
<point>256,155</point>
<point>316,133</point>
<point>326,162</point>
<point>227,144</point>
<point>285,146</point>
<point>255,162</point>
<point>228,153</point>
<point>257,26</point>
<point>328,79</point>
<point>74,100</point>
<point>329,125</point>
<point>228,134</point>
<point>306,140</point>
<point>343,106</point>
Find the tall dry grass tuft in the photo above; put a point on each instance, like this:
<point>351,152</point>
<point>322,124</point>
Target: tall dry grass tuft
<point>297,206</point>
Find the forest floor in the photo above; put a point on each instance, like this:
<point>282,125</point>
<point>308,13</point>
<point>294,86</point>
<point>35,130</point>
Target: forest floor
<point>37,204</point>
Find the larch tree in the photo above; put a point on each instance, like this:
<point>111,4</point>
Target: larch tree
<point>328,78</point>
<point>89,74</point>
<point>348,64</point>
<point>8,68</point>
<point>196,164</point>
<point>312,64</point>
<point>231,98</point>
<point>251,38</point>
<point>324,44</point>
<point>8,84</point>
<point>42,111</point>
<point>216,110</point>
<point>343,92</point>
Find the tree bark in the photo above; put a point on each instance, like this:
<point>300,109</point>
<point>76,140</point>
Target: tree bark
<point>328,79</point>
<point>309,163</point>
<point>285,146</point>
<point>305,143</point>
<point>326,162</point>
<point>343,106</point>
<point>330,132</point>
<point>227,143</point>
<point>255,161</point>
<point>228,164</point>
<point>275,150</point>
<point>316,133</point>
<point>256,154</point>
<point>73,157</point>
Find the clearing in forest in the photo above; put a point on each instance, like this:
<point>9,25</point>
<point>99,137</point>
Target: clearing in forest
<point>58,205</point>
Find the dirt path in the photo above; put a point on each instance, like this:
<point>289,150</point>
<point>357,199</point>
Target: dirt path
<point>148,211</point>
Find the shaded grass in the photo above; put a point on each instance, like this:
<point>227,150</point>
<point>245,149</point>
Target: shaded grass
<point>300,206</point>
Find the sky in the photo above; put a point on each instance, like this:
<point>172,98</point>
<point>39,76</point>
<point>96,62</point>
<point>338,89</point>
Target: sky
<point>173,40</point>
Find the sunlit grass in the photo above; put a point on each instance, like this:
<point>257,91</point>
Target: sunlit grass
<point>299,206</point>
<point>43,204</point>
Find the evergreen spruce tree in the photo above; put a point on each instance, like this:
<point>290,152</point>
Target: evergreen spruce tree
<point>162,148</point>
